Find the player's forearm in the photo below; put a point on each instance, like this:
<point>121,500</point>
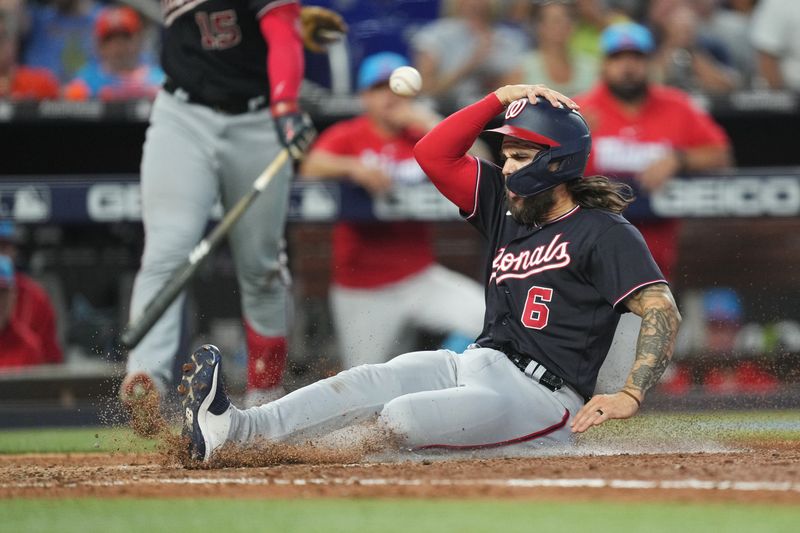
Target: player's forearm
<point>660,323</point>
<point>453,137</point>
<point>324,165</point>
<point>442,153</point>
<point>285,61</point>
<point>770,69</point>
<point>714,77</point>
<point>706,158</point>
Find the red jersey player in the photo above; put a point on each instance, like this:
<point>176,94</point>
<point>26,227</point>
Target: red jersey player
<point>385,271</point>
<point>645,133</point>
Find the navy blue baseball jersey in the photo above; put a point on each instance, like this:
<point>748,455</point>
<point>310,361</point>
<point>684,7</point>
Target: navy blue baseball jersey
<point>214,49</point>
<point>555,293</point>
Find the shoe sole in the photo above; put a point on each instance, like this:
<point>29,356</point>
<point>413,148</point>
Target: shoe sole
<point>196,409</point>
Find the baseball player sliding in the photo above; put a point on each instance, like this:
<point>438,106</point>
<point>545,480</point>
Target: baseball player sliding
<point>563,264</point>
<point>227,108</point>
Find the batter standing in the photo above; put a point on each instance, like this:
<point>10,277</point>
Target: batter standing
<point>563,265</point>
<point>227,108</point>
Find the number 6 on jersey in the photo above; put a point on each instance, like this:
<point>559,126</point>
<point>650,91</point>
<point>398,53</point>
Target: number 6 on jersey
<point>536,313</point>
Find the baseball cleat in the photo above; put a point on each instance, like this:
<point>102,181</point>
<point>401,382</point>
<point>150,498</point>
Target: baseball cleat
<point>206,407</point>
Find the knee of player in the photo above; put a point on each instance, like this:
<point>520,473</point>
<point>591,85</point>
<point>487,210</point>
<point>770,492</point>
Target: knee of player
<point>259,279</point>
<point>399,419</point>
<point>156,263</point>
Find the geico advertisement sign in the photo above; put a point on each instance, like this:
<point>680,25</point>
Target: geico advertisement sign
<point>114,202</point>
<point>743,196</point>
<point>117,202</point>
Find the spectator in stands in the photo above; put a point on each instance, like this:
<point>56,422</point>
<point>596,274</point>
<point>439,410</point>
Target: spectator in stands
<point>463,56</point>
<point>730,25</point>
<point>685,58</point>
<point>552,63</point>
<point>118,73</point>
<point>776,38</point>
<point>19,344</point>
<point>16,8</point>
<point>385,272</point>
<point>60,36</point>
<point>33,318</point>
<point>593,16</point>
<point>518,14</point>
<point>20,82</point>
<point>646,133</point>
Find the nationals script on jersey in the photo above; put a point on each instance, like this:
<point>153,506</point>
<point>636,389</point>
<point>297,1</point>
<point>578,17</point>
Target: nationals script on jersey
<point>214,49</point>
<point>555,293</point>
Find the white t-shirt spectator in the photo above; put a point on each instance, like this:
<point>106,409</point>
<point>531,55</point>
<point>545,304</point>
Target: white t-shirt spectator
<point>775,32</point>
<point>452,43</point>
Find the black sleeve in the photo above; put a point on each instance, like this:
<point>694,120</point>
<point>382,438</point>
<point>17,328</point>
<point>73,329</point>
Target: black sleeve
<point>490,202</point>
<point>620,263</point>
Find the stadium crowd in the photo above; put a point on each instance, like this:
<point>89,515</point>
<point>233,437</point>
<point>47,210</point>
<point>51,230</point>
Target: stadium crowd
<point>84,49</point>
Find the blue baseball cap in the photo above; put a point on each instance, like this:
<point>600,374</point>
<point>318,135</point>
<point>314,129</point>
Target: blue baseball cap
<point>626,37</point>
<point>7,278</point>
<point>8,231</point>
<point>377,68</point>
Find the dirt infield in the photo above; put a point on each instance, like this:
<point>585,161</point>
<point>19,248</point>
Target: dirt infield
<point>769,473</point>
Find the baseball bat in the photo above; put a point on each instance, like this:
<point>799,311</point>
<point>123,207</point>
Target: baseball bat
<point>329,36</point>
<point>137,328</point>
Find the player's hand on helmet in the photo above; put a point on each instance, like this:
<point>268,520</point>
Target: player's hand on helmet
<point>604,407</point>
<point>512,93</point>
<point>373,179</point>
<point>295,131</point>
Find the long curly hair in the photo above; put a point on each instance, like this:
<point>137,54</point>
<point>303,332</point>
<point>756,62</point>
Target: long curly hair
<point>599,192</point>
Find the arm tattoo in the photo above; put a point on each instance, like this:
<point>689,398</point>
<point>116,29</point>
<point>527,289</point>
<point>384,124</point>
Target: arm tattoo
<point>660,321</point>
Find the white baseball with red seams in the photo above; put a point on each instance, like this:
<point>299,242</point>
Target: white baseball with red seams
<point>405,81</point>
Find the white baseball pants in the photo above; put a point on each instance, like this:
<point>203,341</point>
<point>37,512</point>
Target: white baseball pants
<point>434,399</point>
<point>370,323</point>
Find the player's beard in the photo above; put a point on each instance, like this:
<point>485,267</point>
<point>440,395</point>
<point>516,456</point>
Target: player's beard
<point>531,211</point>
<point>629,90</point>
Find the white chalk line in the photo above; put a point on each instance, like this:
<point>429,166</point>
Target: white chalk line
<point>578,483</point>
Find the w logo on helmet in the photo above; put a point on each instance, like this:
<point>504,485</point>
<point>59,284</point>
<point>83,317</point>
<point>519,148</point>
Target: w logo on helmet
<point>515,108</point>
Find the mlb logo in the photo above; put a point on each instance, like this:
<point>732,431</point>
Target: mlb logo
<point>25,204</point>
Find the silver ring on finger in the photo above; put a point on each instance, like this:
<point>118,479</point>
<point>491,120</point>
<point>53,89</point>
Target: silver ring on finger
<point>600,411</point>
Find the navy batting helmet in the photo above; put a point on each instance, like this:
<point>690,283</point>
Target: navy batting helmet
<point>565,136</point>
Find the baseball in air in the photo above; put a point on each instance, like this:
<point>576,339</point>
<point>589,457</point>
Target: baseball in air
<point>405,81</point>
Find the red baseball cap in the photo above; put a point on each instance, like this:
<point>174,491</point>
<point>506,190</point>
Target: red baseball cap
<point>117,20</point>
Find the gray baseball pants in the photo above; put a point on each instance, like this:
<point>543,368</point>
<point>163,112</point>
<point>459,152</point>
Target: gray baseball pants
<point>193,156</point>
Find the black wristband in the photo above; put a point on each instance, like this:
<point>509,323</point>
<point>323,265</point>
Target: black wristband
<point>635,399</point>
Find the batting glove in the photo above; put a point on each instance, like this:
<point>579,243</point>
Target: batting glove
<point>296,132</point>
